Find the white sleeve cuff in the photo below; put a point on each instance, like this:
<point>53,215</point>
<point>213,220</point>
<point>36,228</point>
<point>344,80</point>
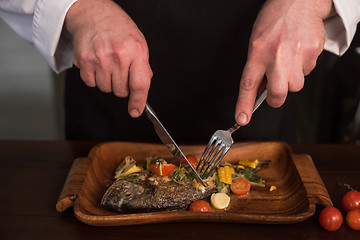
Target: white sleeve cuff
<point>48,35</point>
<point>340,29</point>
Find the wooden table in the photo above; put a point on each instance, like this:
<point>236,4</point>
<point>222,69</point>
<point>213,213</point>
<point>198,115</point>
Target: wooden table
<point>32,175</point>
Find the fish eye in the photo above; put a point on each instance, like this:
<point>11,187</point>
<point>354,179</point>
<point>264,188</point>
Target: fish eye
<point>127,195</point>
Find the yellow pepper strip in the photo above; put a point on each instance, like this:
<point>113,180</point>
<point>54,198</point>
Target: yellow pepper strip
<point>129,171</point>
<point>272,188</point>
<point>148,162</point>
<point>240,167</point>
<point>249,163</point>
<point>225,174</point>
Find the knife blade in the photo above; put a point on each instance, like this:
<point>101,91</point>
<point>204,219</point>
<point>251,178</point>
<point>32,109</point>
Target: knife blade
<point>169,142</point>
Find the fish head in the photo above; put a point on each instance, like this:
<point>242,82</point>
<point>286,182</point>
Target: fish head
<point>123,195</point>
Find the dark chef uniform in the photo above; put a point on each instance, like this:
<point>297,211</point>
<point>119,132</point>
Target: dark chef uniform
<point>197,50</point>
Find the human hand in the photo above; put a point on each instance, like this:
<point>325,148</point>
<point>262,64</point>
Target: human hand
<point>110,51</point>
<point>287,38</point>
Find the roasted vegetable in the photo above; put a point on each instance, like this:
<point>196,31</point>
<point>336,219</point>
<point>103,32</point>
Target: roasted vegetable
<point>249,163</point>
<point>127,167</point>
<point>225,174</point>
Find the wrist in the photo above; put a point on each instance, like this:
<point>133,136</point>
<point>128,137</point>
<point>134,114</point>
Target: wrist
<point>80,12</point>
<point>324,8</point>
<point>70,17</point>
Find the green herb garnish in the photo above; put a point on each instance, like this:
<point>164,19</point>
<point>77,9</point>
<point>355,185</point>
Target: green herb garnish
<point>133,179</point>
<point>179,176</point>
<point>251,176</point>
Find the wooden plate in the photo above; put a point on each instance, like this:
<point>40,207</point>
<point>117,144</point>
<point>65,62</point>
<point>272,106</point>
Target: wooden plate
<point>299,186</point>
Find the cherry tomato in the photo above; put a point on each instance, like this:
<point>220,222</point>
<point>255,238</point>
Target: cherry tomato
<point>193,160</point>
<point>240,186</point>
<point>350,200</point>
<point>200,206</point>
<point>166,169</point>
<point>353,219</point>
<point>330,218</point>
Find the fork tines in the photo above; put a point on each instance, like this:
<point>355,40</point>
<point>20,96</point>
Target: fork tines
<point>214,151</point>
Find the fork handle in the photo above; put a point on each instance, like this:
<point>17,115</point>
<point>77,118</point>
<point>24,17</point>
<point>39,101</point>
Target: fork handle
<point>258,102</point>
<point>234,128</point>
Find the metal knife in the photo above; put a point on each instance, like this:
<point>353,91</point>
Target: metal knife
<point>170,143</point>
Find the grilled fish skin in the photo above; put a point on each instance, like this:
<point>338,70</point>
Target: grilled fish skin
<point>145,192</point>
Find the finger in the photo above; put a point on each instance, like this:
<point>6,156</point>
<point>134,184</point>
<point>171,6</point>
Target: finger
<point>250,82</point>
<point>87,74</point>
<point>140,75</point>
<point>296,81</point>
<point>277,86</point>
<point>103,76</point>
<point>120,78</point>
<point>309,66</point>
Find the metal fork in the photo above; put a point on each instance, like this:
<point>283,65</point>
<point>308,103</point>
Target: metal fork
<point>220,141</point>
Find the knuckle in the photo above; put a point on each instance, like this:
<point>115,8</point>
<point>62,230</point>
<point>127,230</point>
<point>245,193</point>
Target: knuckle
<point>276,100</point>
<point>122,93</point>
<point>275,103</point>
<point>258,45</point>
<point>296,84</point>
<point>277,95</point>
<point>151,74</point>
<point>278,92</point>
<point>130,49</point>
<point>308,67</point>
<point>87,78</point>
<point>139,86</point>
<point>313,49</point>
<point>120,52</point>
<point>88,82</point>
<point>103,85</point>
<point>247,84</point>
<point>100,56</point>
<point>140,47</point>
<point>83,60</point>
<point>105,89</point>
<point>81,57</point>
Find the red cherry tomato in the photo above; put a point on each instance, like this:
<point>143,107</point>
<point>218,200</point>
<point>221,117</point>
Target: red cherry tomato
<point>330,218</point>
<point>200,206</point>
<point>353,219</point>
<point>240,186</point>
<point>351,200</point>
<point>193,160</point>
<point>166,169</point>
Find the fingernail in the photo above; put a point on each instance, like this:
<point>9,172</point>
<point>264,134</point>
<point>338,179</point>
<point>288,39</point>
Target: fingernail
<point>242,118</point>
<point>134,113</point>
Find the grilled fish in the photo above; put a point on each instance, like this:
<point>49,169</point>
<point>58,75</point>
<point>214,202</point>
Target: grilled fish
<point>146,192</point>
